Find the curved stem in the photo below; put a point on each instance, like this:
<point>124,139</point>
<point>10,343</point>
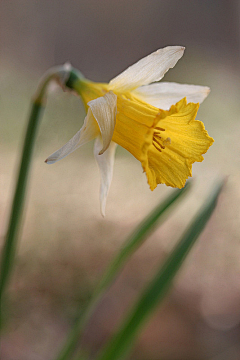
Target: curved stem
<point>60,74</point>
<point>18,200</point>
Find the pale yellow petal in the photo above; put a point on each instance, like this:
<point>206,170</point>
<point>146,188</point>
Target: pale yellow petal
<point>163,95</point>
<point>104,110</point>
<point>147,70</point>
<point>89,131</point>
<point>105,163</point>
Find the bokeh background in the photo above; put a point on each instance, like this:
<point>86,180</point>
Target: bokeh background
<point>65,244</point>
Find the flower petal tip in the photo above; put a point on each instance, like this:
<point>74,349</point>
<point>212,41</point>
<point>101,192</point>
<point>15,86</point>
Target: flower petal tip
<point>49,161</point>
<point>180,49</point>
<point>103,209</point>
<point>67,66</point>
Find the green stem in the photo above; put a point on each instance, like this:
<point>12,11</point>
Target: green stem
<point>18,200</point>
<point>134,241</point>
<point>60,74</point>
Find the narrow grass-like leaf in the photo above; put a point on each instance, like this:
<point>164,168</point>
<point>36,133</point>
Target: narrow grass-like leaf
<point>119,346</point>
<point>134,241</point>
<point>140,234</point>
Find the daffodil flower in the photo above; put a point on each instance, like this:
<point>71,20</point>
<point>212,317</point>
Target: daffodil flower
<point>154,122</point>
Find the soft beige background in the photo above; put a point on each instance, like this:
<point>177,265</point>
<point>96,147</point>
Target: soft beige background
<point>65,244</point>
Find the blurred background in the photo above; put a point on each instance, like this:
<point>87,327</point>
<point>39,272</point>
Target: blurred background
<point>65,244</point>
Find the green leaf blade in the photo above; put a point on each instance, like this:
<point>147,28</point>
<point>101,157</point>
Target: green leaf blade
<point>133,242</point>
<point>139,235</point>
<point>119,346</point>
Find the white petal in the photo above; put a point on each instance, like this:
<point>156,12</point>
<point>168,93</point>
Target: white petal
<point>104,110</point>
<point>147,70</point>
<point>163,95</point>
<point>89,131</point>
<point>105,163</point>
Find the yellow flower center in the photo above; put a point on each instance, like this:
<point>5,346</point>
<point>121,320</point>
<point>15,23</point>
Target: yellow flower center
<point>157,139</point>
